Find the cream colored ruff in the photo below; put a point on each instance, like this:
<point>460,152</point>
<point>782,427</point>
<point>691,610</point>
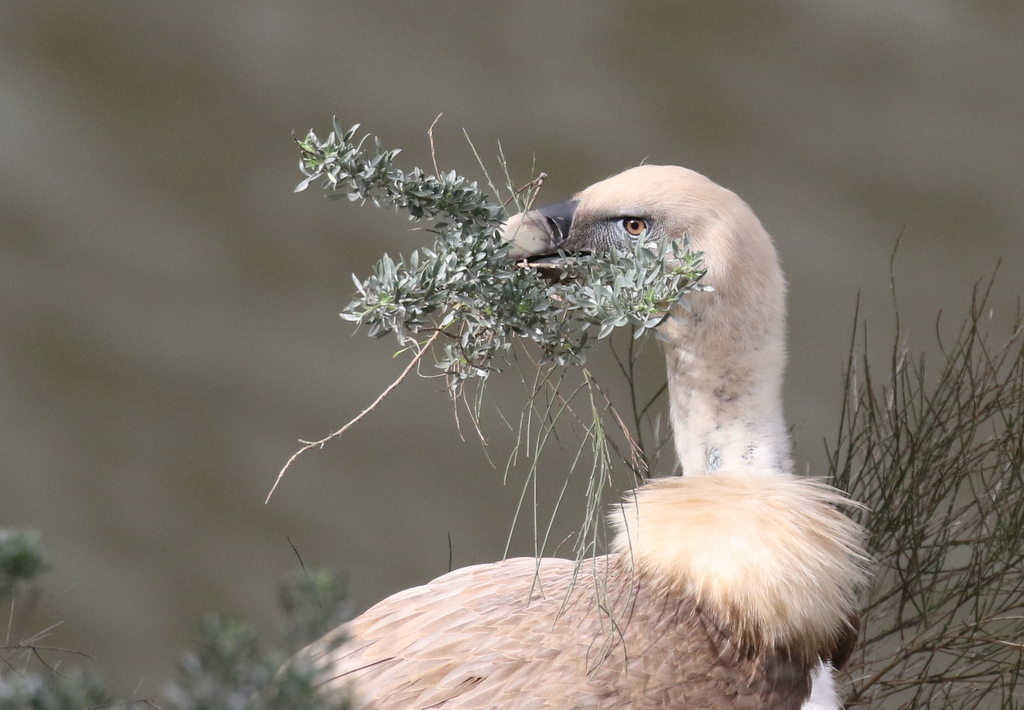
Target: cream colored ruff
<point>769,555</point>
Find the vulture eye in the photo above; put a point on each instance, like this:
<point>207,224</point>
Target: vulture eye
<point>634,226</point>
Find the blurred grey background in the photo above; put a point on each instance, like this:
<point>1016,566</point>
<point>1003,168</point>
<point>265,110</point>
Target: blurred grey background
<point>168,306</point>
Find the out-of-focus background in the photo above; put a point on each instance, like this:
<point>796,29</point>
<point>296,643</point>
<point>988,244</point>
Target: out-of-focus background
<point>168,306</point>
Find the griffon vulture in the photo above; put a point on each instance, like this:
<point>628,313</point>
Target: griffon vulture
<point>732,586</point>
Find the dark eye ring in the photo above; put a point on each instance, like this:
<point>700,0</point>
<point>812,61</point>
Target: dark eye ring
<point>634,226</point>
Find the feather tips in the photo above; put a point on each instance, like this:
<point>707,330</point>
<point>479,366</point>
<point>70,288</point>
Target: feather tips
<point>599,637</point>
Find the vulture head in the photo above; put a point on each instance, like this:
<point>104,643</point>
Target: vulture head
<point>726,356</point>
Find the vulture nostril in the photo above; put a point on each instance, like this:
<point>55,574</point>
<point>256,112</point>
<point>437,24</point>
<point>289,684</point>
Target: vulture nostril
<point>560,217</point>
<point>557,230</point>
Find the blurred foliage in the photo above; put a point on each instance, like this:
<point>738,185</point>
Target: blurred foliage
<point>314,602</point>
<point>936,454</point>
<point>20,559</point>
<point>69,689</point>
<point>228,670</point>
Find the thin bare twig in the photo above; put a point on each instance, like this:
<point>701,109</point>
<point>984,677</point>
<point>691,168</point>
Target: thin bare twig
<point>532,188</point>
<point>34,648</point>
<point>10,623</point>
<point>430,135</point>
<point>320,444</point>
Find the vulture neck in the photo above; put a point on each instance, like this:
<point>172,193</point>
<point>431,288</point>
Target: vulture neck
<point>726,358</point>
<point>727,415</point>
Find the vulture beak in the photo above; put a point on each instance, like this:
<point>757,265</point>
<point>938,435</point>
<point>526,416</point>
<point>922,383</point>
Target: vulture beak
<point>539,232</point>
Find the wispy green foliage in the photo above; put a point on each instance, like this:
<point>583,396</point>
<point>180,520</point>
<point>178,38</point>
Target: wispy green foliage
<point>937,456</point>
<point>466,285</point>
<point>229,669</point>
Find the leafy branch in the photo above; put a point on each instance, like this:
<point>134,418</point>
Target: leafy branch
<point>467,285</point>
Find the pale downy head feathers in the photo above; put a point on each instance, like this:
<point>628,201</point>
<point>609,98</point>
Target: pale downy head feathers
<point>741,262</point>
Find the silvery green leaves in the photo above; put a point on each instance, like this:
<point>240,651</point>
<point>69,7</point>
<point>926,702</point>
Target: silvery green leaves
<point>636,286</point>
<point>466,284</point>
<point>348,170</point>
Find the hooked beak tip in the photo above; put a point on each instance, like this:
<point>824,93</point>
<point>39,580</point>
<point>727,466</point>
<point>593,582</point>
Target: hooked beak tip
<point>529,234</point>
<point>539,232</point>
